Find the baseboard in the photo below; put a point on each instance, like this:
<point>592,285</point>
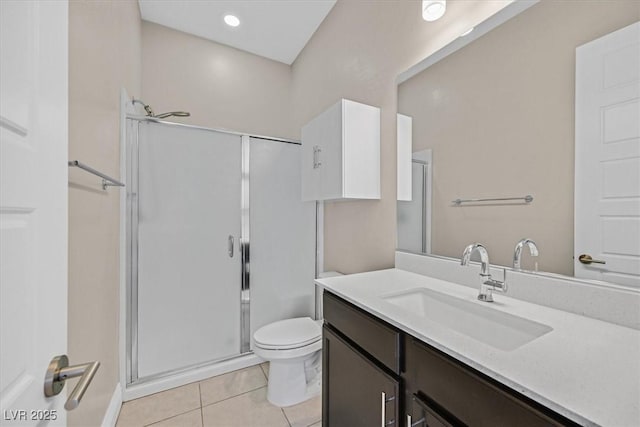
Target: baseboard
<point>113,410</point>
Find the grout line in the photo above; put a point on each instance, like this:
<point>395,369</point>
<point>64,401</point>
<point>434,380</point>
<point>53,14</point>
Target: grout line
<point>201,412</point>
<point>232,397</point>
<point>169,389</point>
<point>285,416</point>
<point>264,373</point>
<point>172,416</point>
<point>199,395</point>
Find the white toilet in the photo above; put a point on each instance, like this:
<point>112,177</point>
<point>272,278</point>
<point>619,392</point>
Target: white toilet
<point>293,348</point>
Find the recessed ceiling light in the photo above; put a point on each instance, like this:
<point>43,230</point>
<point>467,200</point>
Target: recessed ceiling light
<point>433,9</point>
<point>231,20</point>
<point>466,33</point>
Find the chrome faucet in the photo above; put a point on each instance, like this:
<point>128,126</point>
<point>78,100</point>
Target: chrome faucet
<point>487,284</point>
<point>517,254</point>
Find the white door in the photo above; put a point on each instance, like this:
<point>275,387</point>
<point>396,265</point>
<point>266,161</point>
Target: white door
<point>607,183</point>
<point>33,207</point>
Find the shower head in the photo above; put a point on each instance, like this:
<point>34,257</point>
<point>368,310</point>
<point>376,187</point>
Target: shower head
<point>172,113</point>
<point>150,113</point>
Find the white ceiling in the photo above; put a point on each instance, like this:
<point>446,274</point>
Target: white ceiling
<point>276,29</point>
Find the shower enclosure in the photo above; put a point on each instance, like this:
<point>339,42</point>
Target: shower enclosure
<point>219,244</point>
<point>414,216</point>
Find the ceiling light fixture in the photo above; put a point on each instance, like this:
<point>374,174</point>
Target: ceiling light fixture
<point>466,33</point>
<point>231,20</point>
<point>433,9</point>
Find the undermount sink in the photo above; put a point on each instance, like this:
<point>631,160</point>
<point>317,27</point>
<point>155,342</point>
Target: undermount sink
<point>480,322</point>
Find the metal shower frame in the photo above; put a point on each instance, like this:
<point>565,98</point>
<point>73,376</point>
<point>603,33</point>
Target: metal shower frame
<point>132,173</point>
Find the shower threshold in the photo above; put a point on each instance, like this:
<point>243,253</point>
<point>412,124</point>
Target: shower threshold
<point>176,378</point>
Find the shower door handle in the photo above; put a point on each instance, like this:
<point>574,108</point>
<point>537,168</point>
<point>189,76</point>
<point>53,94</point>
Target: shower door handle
<point>231,241</point>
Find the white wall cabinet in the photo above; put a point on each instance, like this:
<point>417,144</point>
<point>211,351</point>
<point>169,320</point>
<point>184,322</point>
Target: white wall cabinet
<point>341,153</point>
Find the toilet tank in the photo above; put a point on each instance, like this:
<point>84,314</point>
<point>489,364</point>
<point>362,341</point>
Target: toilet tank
<point>319,291</point>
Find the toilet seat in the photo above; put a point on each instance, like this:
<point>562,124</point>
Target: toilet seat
<point>288,334</point>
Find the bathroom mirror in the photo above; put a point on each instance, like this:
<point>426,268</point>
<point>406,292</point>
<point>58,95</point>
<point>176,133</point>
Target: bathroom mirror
<point>498,119</point>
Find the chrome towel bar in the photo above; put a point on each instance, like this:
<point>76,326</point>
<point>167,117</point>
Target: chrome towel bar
<point>527,199</point>
<point>107,181</point>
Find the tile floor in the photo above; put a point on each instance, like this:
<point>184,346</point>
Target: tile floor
<point>237,398</point>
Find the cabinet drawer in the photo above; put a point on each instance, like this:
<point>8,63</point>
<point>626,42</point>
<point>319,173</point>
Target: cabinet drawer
<point>380,340</point>
<point>475,400</point>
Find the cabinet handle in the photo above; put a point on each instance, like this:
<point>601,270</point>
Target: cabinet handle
<point>410,421</point>
<point>383,409</point>
<point>316,156</point>
<point>230,247</point>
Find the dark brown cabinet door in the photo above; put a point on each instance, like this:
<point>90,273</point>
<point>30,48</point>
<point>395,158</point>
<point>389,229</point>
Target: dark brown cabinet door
<point>355,392</point>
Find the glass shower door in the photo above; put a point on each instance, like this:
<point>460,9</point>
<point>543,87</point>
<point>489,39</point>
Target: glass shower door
<point>186,204</point>
<point>412,221</point>
<point>283,235</point>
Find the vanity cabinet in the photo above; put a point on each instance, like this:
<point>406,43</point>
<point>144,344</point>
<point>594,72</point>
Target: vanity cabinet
<point>356,392</point>
<point>371,369</point>
<point>358,389</point>
<point>449,393</point>
<point>341,153</point>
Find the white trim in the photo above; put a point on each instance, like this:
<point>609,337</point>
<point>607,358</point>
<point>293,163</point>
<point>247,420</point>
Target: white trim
<point>113,410</point>
<point>500,17</point>
<point>319,257</point>
<point>320,237</point>
<point>188,376</point>
<point>428,196</point>
<point>126,107</point>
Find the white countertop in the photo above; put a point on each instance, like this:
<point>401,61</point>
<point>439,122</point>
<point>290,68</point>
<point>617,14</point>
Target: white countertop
<point>585,369</point>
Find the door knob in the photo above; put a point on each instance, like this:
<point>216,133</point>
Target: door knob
<point>59,371</point>
<point>586,259</point>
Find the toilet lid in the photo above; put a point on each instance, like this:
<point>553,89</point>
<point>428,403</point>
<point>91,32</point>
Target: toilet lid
<point>288,333</point>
